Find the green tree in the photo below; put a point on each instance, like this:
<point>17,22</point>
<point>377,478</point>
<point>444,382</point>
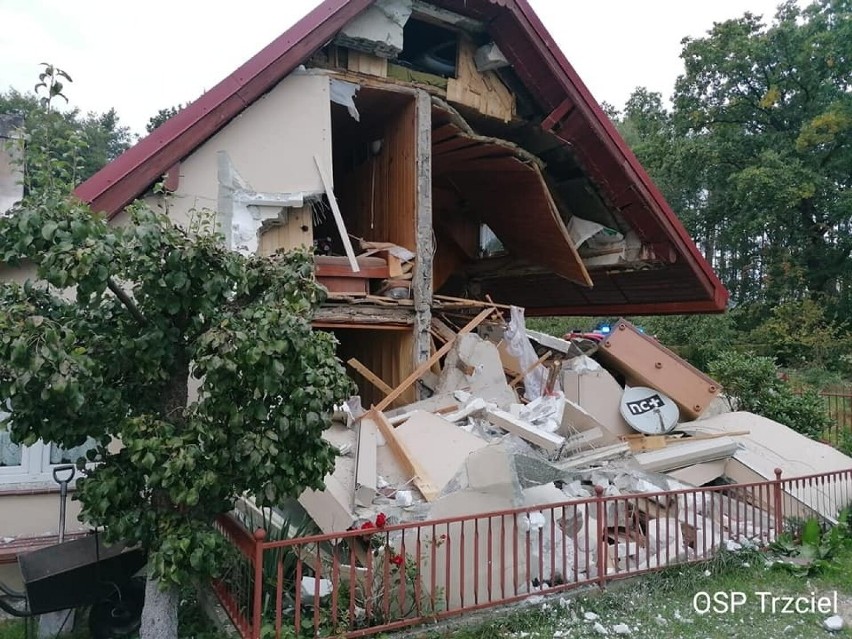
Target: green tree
<point>104,346</point>
<point>162,115</point>
<point>770,109</point>
<point>96,138</point>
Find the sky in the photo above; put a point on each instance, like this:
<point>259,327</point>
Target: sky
<point>139,57</point>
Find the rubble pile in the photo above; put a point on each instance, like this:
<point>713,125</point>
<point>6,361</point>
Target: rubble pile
<point>517,419</point>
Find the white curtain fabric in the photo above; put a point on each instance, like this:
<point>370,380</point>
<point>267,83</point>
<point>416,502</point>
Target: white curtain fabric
<point>10,454</point>
<point>71,455</point>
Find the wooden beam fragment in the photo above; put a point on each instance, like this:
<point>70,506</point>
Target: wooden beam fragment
<point>541,360</point>
<point>406,459</point>
<point>338,216</point>
<point>462,300</point>
<point>421,370</point>
<point>442,330</point>
<point>508,422</point>
<point>370,376</point>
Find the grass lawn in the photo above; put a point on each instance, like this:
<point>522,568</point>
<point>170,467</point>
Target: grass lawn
<point>660,606</point>
<point>656,606</point>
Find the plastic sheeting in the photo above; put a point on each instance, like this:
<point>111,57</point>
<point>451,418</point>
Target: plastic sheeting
<point>518,345</point>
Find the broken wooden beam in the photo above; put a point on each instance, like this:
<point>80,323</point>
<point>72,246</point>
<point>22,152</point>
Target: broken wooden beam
<point>425,366</point>
<point>510,423</point>
<point>468,302</point>
<point>408,461</point>
<point>370,376</point>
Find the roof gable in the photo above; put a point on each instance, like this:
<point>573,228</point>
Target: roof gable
<point>572,115</point>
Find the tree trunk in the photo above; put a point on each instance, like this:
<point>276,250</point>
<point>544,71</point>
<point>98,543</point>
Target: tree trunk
<point>160,613</point>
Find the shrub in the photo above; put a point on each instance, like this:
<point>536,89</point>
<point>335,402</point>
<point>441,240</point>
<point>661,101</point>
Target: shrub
<point>753,384</point>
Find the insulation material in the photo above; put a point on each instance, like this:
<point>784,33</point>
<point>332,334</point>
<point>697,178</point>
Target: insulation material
<point>379,29</point>
<point>518,346</point>
<point>343,93</point>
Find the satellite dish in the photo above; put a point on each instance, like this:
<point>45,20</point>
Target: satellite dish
<point>648,411</point>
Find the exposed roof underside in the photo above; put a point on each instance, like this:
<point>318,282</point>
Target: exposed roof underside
<point>685,284</point>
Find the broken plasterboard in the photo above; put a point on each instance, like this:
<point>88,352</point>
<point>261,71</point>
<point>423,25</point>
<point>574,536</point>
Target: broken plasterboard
<point>527,432</point>
<point>487,379</point>
<point>770,445</point>
<point>686,454</point>
<point>700,474</point>
<point>597,393</point>
<point>441,446</point>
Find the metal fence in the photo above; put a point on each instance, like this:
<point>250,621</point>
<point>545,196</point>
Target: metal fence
<point>838,405</point>
<point>362,582</point>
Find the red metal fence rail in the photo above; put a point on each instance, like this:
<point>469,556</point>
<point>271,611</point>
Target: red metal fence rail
<point>363,582</point>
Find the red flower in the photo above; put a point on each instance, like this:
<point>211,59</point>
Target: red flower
<point>396,560</point>
<point>381,520</point>
<point>367,525</point>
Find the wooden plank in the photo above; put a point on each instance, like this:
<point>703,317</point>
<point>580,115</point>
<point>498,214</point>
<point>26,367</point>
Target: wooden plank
<point>359,62</point>
<point>423,368</point>
<point>444,332</point>
<point>331,266</point>
<point>370,376</point>
<point>541,360</point>
<point>366,487</point>
<point>408,462</point>
<point>444,132</point>
<point>338,216</point>
<point>468,302</point>
<point>508,422</point>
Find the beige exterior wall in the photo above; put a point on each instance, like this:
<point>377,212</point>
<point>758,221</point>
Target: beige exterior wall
<point>271,145</point>
<point>36,515</point>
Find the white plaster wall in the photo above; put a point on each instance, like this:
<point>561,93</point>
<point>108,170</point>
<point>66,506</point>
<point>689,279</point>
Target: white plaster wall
<point>272,145</point>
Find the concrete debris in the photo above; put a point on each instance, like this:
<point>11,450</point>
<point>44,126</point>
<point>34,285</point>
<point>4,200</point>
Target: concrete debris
<point>473,447</point>
<point>311,585</point>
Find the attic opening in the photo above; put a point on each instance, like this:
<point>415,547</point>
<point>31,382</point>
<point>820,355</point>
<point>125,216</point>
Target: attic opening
<point>374,173</point>
<point>430,48</point>
<point>377,360</point>
<point>493,212</point>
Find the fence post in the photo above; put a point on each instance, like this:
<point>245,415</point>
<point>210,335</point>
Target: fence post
<point>257,595</point>
<point>777,493</point>
<point>601,532</point>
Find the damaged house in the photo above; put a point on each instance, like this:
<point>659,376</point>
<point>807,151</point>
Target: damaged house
<point>426,150</point>
<point>440,158</point>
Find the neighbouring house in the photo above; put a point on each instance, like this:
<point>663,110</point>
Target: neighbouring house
<point>426,151</point>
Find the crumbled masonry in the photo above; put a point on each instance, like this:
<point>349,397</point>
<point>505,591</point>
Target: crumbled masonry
<point>481,441</point>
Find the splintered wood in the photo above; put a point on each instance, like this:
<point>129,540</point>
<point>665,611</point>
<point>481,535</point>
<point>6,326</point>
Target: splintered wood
<point>405,457</point>
<point>425,366</point>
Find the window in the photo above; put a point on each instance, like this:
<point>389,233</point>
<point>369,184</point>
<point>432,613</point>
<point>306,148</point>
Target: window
<point>32,466</point>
